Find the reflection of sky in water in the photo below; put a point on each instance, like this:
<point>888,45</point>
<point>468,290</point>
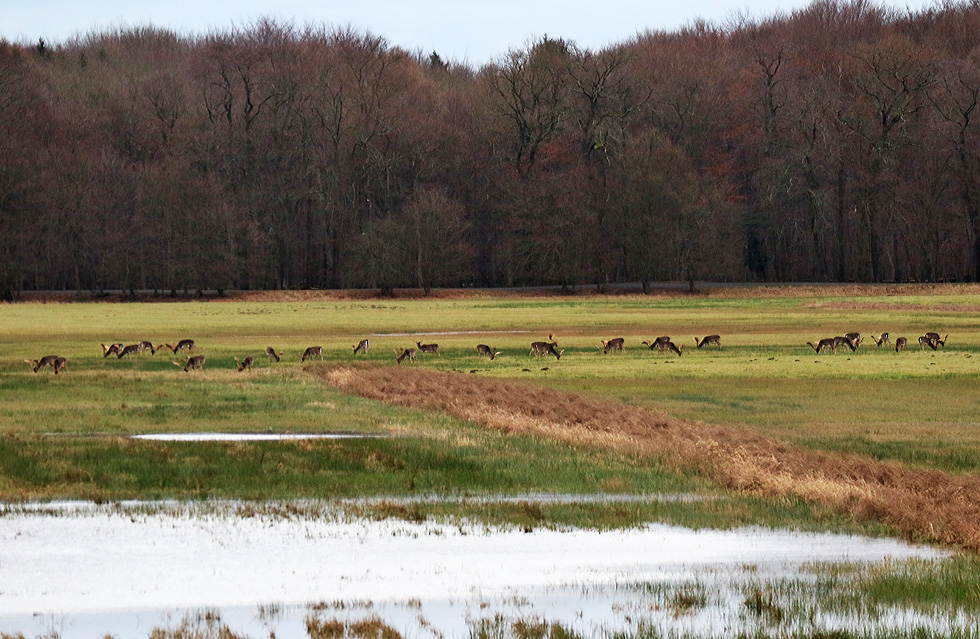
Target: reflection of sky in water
<point>123,569</point>
<point>246,437</point>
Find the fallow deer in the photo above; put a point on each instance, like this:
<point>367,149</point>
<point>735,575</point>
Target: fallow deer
<point>828,342</point>
<point>427,348</point>
<point>854,338</point>
<point>884,339</point>
<point>111,349</point>
<point>900,343</point>
<point>925,340</point>
<point>272,354</point>
<point>47,360</point>
<point>191,363</point>
<point>483,349</point>
<point>841,340</point>
<point>60,364</point>
<point>362,346</point>
<point>545,348</point>
<point>673,348</point>
<point>313,351</point>
<point>406,353</point>
<point>146,346</point>
<point>181,345</point>
<point>714,340</point>
<point>660,343</point>
<point>616,344</point>
<point>245,364</point>
<point>132,349</point>
<point>934,338</point>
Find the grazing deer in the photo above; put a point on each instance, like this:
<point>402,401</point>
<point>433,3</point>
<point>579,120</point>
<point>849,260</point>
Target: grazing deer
<point>146,346</point>
<point>934,338</point>
<point>59,364</point>
<point>313,351</point>
<point>660,343</point>
<point>132,349</point>
<point>900,343</point>
<point>111,349</point>
<point>47,360</point>
<point>545,348</point>
<point>709,339</point>
<point>673,348</point>
<point>483,349</point>
<point>181,345</point>
<point>196,362</point>
<point>828,342</point>
<point>617,344</point>
<point>428,348</point>
<point>841,340</point>
<point>245,364</point>
<point>362,346</point>
<point>272,354</point>
<point>925,340</point>
<point>184,343</point>
<point>884,339</point>
<point>406,352</point>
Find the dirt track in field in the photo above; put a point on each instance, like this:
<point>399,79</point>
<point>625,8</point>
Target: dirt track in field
<point>924,505</point>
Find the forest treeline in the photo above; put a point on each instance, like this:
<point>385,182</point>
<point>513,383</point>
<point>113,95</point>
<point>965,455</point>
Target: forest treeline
<point>836,143</point>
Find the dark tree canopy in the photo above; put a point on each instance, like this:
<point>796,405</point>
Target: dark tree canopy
<point>836,143</point>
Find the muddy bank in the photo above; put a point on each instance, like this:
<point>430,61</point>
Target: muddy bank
<point>924,505</point>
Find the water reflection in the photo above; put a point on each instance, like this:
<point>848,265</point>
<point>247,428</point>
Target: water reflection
<point>127,569</point>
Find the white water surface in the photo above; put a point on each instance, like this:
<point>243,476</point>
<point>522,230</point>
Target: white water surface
<point>247,437</point>
<point>85,571</point>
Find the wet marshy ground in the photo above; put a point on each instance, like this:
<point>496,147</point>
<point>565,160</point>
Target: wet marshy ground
<point>84,570</point>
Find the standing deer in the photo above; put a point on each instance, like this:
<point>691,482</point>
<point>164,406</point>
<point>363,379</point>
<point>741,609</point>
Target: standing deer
<point>545,348</point>
<point>47,360</point>
<point>854,338</point>
<point>272,354</point>
<point>828,342</point>
<point>406,353</point>
<point>616,344</point>
<point>841,340</point>
<point>196,362</point>
<point>362,346</point>
<point>111,349</point>
<point>245,364</point>
<point>427,348</point>
<point>132,349</point>
<point>884,339</point>
<point>714,340</point>
<point>925,340</point>
<point>900,343</point>
<point>660,343</point>
<point>313,351</point>
<point>146,346</point>
<point>60,364</point>
<point>486,351</point>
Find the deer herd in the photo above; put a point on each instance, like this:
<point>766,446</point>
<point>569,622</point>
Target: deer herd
<point>661,344</point>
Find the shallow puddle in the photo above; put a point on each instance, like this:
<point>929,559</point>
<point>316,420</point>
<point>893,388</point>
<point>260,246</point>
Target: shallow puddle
<point>86,570</point>
<point>248,437</point>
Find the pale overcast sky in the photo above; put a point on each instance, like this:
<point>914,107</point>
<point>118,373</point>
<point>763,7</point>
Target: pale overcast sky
<point>471,31</point>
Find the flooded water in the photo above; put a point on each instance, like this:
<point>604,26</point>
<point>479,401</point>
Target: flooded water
<point>81,570</point>
<point>248,437</point>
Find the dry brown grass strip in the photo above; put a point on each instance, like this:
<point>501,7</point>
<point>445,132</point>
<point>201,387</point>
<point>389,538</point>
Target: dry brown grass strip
<point>923,505</point>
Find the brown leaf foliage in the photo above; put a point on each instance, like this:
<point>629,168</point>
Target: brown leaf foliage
<point>923,504</point>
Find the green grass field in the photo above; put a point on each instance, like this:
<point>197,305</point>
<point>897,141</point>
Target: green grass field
<point>66,436</point>
<point>915,406</point>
